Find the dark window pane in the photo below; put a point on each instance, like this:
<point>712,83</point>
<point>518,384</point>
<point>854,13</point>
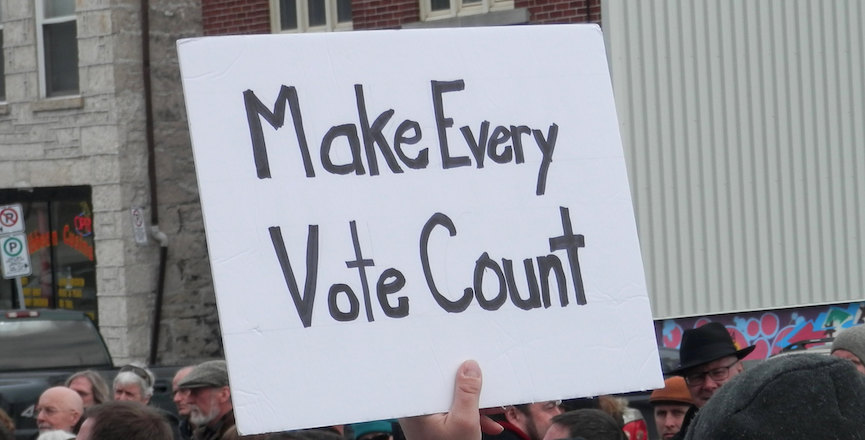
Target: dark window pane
<point>74,264</point>
<point>440,5</point>
<point>38,288</point>
<point>61,59</point>
<point>288,14</point>
<point>2,70</point>
<point>317,13</point>
<point>59,8</point>
<point>343,11</point>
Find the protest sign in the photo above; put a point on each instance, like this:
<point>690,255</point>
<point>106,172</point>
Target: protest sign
<point>380,206</point>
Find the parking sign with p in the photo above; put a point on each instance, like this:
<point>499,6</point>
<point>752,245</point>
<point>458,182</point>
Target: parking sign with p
<point>14,255</point>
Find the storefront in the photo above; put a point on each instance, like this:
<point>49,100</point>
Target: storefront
<point>58,222</point>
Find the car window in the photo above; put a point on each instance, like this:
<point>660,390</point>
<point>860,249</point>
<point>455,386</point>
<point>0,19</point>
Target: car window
<point>40,344</point>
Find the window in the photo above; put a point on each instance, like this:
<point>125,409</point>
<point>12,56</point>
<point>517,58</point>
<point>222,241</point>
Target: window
<point>57,39</point>
<point>59,227</point>
<point>310,15</point>
<point>436,9</point>
<point>2,60</point>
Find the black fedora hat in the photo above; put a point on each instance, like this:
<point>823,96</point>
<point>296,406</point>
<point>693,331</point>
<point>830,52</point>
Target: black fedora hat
<point>706,344</point>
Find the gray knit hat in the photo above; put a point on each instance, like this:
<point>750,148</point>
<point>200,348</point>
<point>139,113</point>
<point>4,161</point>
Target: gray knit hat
<point>210,374</point>
<point>852,340</point>
<point>806,396</point>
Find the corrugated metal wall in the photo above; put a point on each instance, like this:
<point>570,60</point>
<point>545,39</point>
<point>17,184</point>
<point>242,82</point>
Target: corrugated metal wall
<point>743,127</point>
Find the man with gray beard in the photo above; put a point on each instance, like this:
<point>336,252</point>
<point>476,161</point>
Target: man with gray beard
<point>209,401</point>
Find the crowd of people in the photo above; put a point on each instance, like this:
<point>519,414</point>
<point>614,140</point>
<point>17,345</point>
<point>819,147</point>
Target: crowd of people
<point>710,396</point>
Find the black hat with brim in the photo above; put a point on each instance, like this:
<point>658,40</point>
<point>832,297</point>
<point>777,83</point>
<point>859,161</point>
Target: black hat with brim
<point>706,344</point>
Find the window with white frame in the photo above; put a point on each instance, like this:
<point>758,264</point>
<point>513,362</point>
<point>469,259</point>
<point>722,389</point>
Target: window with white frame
<point>310,15</point>
<point>2,60</point>
<point>436,9</point>
<point>57,38</point>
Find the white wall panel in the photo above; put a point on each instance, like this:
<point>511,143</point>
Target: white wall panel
<point>743,129</point>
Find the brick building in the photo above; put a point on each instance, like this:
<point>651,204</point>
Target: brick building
<point>94,146</point>
<point>230,17</point>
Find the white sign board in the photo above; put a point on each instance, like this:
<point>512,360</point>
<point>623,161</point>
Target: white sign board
<point>11,219</point>
<point>380,206</point>
<point>15,256</point>
<point>139,229</point>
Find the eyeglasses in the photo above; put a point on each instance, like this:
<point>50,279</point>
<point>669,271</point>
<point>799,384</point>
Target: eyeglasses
<point>721,373</point>
<point>140,372</point>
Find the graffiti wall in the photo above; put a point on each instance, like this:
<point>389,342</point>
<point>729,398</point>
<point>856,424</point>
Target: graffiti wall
<point>769,331</point>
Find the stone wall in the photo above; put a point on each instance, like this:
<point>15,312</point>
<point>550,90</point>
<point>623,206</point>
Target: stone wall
<point>99,138</point>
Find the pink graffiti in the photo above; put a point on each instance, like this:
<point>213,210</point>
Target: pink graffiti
<point>761,350</point>
<point>752,329</point>
<point>770,323</point>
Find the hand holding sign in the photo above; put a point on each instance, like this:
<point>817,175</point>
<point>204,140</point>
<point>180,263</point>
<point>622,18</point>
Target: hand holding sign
<point>463,421</point>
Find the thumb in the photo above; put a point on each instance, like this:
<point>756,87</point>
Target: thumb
<point>467,393</point>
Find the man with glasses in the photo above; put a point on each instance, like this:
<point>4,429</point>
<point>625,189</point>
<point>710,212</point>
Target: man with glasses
<point>58,408</point>
<point>708,358</point>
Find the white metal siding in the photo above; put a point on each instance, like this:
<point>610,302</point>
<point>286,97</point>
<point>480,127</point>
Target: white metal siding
<point>743,129</point>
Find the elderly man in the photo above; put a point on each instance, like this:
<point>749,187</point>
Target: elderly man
<point>528,421</point>
<point>134,384</point>
<point>669,406</point>
<point>209,401</point>
<point>708,358</point>
<point>58,408</point>
<point>184,427</point>
<point>850,345</point>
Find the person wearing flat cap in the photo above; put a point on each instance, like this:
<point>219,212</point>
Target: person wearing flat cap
<point>209,401</point>
<point>708,358</point>
<point>850,345</point>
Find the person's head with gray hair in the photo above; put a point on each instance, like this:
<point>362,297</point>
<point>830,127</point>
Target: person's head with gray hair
<point>91,386</point>
<point>134,383</point>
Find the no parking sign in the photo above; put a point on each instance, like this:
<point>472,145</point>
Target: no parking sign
<point>14,256</point>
